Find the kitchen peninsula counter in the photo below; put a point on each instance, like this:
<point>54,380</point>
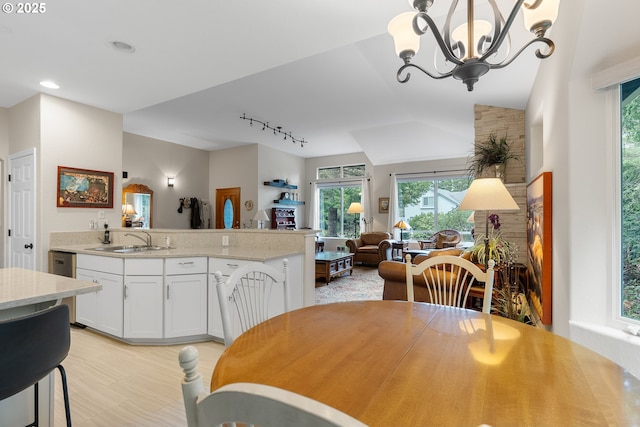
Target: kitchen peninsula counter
<point>249,254</point>
<point>20,288</point>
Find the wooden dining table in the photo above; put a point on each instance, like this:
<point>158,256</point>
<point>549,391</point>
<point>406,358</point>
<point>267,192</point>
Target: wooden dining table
<point>394,363</point>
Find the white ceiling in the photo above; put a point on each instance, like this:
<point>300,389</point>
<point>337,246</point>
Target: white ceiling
<point>325,71</point>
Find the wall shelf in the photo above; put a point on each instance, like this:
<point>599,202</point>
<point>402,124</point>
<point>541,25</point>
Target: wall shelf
<point>280,184</point>
<point>288,202</point>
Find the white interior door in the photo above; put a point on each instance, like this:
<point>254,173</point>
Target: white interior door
<point>22,202</point>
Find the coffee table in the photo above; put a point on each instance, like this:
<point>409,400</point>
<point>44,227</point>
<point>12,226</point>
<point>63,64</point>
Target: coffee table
<point>332,264</point>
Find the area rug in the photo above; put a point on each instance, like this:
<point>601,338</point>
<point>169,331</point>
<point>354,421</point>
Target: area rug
<point>363,284</point>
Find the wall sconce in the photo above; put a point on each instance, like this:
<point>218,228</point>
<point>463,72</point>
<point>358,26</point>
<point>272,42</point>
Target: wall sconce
<point>170,181</point>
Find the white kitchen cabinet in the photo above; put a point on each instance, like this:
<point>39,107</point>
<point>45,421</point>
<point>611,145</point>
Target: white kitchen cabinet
<point>143,298</point>
<point>101,310</point>
<point>185,309</point>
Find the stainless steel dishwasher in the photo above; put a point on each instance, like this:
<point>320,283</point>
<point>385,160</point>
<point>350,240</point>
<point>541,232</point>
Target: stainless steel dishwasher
<point>64,264</point>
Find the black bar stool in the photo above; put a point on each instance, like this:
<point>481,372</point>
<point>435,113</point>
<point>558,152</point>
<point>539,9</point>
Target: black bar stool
<point>32,347</point>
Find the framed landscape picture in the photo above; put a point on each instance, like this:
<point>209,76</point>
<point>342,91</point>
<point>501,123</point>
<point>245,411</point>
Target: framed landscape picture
<point>539,249</point>
<point>383,205</point>
<point>83,188</point>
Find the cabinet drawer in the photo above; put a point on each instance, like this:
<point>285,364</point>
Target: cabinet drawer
<point>226,265</point>
<point>100,263</point>
<point>143,267</point>
<point>185,265</point>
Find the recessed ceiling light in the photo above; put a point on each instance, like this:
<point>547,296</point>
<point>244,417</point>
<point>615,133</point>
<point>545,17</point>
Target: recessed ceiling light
<point>122,46</point>
<point>49,84</point>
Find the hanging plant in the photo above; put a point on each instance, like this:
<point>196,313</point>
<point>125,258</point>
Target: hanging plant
<point>494,151</point>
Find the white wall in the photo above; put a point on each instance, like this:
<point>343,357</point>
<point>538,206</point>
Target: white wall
<point>567,123</point>
<point>79,136</point>
<point>274,164</point>
<point>150,161</point>
<point>248,167</point>
<point>235,167</point>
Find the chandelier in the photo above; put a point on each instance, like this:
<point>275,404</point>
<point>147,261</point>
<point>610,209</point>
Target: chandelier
<point>473,48</point>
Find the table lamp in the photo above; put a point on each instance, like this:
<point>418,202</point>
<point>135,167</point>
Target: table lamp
<point>127,211</point>
<point>485,194</point>
<point>355,208</point>
<point>402,225</point>
<point>261,217</point>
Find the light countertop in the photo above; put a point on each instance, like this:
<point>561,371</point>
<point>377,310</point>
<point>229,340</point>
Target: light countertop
<point>20,287</point>
<point>231,252</point>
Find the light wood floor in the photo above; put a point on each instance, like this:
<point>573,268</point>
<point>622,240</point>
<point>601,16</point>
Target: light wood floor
<point>113,384</point>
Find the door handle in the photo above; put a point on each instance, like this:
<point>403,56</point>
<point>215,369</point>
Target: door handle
<point>29,246</point>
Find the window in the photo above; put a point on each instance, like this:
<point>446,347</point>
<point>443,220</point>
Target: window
<point>429,205</point>
<point>335,197</point>
<point>427,201</point>
<point>630,199</point>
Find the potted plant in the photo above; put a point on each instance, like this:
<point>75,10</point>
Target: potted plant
<point>493,153</point>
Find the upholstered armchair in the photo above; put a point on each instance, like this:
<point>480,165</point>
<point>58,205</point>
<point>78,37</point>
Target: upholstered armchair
<point>441,240</point>
<point>371,248</point>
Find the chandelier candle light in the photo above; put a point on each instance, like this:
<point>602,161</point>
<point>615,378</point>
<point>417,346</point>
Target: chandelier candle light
<point>469,47</point>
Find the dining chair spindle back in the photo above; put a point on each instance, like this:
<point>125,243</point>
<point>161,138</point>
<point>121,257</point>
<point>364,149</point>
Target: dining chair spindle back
<point>449,280</point>
<point>249,290</point>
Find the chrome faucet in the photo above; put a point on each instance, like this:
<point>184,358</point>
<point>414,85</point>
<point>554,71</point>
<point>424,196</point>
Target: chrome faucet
<point>148,240</point>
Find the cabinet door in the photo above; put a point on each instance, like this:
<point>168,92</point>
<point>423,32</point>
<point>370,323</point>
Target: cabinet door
<point>185,305</point>
<point>143,306</point>
<point>87,304</point>
<point>214,327</point>
<point>110,305</point>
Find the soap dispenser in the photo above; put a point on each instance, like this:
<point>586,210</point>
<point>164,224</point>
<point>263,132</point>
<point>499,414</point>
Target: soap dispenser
<point>106,240</point>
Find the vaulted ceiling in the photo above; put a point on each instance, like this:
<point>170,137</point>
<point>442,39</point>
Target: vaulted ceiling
<point>324,71</point>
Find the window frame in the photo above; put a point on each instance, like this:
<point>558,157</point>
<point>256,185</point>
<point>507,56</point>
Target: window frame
<point>434,179</point>
<point>614,102</point>
<point>340,182</point>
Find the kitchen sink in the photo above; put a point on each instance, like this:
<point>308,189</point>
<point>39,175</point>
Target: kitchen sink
<point>127,249</point>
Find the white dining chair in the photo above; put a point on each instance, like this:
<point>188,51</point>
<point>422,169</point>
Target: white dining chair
<point>251,404</point>
<point>250,291</point>
<point>449,280</point>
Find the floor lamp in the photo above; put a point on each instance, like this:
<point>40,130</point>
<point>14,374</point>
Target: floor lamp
<point>487,194</point>
<point>355,208</point>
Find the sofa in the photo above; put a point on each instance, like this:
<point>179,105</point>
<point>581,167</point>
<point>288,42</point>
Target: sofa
<point>394,275</point>
<point>371,248</point>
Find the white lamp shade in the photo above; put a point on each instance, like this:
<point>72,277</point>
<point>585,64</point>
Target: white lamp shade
<point>480,28</point>
<point>404,38</point>
<point>488,194</point>
<point>355,207</point>
<point>128,210</point>
<point>547,10</point>
<point>261,216</point>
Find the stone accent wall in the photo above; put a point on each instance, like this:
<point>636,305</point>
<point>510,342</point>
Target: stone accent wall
<point>501,121</point>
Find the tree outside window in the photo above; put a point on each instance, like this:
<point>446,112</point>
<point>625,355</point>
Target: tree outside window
<point>335,199</point>
<point>440,213</point>
<point>630,199</point>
